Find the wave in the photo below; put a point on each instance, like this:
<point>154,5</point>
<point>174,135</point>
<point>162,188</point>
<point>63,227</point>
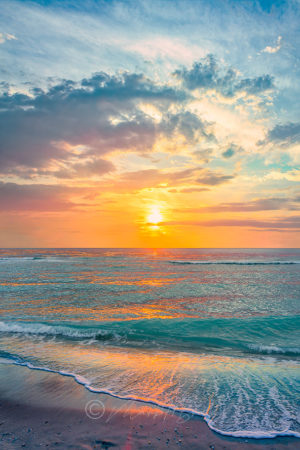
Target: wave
<point>273,349</point>
<point>254,434</point>
<point>238,263</point>
<point>55,330</point>
<point>258,335</point>
<point>12,259</point>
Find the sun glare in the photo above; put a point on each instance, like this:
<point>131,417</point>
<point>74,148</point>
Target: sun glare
<point>155,216</point>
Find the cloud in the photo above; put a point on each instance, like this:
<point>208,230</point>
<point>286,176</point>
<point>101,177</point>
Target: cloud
<point>214,179</point>
<point>290,175</point>
<point>6,37</point>
<point>285,223</point>
<point>192,190</point>
<point>286,134</point>
<point>90,168</point>
<point>42,130</point>
<point>34,197</point>
<point>150,178</point>
<point>187,124</point>
<point>204,155</point>
<point>275,49</point>
<point>156,178</point>
<point>100,114</point>
<point>67,169</point>
<point>163,47</point>
<point>208,74</point>
<point>261,204</point>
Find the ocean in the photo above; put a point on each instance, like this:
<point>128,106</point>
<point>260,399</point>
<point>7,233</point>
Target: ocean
<point>214,332</point>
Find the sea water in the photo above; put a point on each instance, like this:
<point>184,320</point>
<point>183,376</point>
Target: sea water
<point>211,331</point>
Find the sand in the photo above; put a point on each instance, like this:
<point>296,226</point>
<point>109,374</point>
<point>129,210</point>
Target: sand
<point>46,410</point>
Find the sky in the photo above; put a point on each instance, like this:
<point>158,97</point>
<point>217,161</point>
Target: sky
<point>168,123</point>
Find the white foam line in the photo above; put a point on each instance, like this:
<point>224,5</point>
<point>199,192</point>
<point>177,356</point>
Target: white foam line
<point>52,330</point>
<point>240,433</point>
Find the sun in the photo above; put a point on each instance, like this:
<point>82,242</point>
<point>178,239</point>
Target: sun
<point>155,216</point>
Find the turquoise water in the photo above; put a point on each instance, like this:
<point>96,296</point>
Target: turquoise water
<point>214,332</point>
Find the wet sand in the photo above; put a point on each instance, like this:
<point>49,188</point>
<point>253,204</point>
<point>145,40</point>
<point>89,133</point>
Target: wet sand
<point>47,410</point>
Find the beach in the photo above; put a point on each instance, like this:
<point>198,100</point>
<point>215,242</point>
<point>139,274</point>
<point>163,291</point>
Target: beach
<point>44,410</point>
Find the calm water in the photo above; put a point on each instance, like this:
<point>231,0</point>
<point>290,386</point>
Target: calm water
<point>215,332</point>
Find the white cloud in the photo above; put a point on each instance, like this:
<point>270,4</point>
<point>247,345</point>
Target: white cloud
<point>275,49</point>
<point>167,48</point>
<point>6,37</point>
<point>291,175</point>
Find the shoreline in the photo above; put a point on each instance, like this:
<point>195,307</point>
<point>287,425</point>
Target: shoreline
<point>170,409</point>
<point>39,408</point>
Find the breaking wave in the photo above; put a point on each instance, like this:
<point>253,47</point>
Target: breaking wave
<point>259,335</point>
